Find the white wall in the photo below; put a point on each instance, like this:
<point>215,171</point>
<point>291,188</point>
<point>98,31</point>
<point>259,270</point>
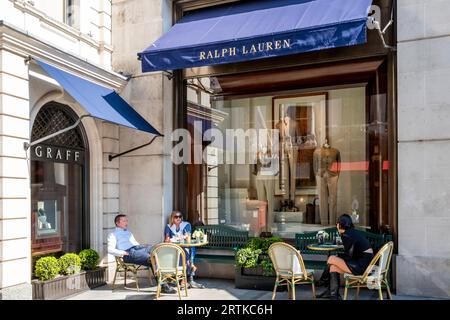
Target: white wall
<point>45,21</point>
<point>15,201</point>
<point>423,262</point>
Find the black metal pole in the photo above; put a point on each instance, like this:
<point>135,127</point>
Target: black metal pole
<point>111,157</point>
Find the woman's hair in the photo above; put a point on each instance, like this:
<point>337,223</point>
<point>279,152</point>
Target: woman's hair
<point>172,215</point>
<point>345,222</point>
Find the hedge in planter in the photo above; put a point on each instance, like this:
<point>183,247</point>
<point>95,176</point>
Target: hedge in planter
<point>254,269</point>
<point>47,268</point>
<point>89,259</point>
<point>52,285</point>
<point>70,263</point>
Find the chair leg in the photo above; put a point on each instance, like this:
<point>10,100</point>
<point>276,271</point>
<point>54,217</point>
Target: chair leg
<point>114,280</point>
<point>137,281</point>
<point>125,280</point>
<point>380,293</point>
<point>178,287</point>
<point>357,293</point>
<point>293,289</point>
<point>388,292</point>
<point>313,289</point>
<point>275,288</point>
<point>158,289</point>
<point>288,285</point>
<point>345,291</point>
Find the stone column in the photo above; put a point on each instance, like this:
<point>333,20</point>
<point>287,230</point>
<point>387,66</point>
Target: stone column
<point>145,174</point>
<point>423,260</point>
<point>110,142</point>
<point>15,242</point>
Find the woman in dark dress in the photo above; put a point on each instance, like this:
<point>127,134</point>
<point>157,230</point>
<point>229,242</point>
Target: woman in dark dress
<point>357,255</point>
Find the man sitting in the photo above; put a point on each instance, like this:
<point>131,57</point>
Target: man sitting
<point>121,243</point>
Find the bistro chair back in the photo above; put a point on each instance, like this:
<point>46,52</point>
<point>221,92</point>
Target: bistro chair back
<point>289,268</point>
<point>169,263</point>
<point>376,274</point>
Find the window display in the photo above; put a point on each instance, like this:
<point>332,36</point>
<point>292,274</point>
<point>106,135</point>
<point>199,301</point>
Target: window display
<point>314,164</point>
<point>47,218</point>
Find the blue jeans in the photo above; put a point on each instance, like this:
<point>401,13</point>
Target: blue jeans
<point>190,255</point>
<point>139,255</point>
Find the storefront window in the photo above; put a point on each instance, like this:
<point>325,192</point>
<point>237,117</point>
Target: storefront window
<point>58,171</point>
<point>308,156</point>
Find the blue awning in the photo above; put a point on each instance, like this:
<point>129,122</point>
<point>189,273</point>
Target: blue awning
<point>100,102</point>
<point>257,29</point>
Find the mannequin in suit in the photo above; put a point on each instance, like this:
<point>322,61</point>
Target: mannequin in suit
<point>265,171</point>
<point>289,137</point>
<point>327,166</point>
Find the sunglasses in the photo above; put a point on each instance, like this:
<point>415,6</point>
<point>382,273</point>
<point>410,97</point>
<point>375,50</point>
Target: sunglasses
<point>176,217</point>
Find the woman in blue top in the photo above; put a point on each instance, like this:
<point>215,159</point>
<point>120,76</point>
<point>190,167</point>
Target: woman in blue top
<point>180,229</point>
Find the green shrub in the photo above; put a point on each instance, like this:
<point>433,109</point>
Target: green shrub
<point>89,259</point>
<point>46,268</point>
<point>254,243</point>
<point>267,242</point>
<point>267,265</point>
<point>247,257</point>
<point>69,263</point>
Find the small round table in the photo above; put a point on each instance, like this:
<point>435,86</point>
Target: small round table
<point>328,247</point>
<point>191,244</point>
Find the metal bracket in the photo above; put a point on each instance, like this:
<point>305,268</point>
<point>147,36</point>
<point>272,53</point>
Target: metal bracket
<point>168,74</point>
<point>111,157</point>
<point>381,33</point>
<point>27,60</point>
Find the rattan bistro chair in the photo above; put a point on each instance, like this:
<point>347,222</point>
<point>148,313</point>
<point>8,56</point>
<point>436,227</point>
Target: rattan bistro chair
<point>290,268</point>
<point>375,276</point>
<point>166,258</point>
<point>124,267</point>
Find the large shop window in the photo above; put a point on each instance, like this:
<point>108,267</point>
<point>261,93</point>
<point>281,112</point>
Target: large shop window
<point>296,149</point>
<point>58,170</point>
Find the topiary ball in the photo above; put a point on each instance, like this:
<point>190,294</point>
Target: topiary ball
<point>70,263</point>
<point>46,268</point>
<point>89,259</point>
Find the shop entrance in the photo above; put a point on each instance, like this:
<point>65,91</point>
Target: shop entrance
<point>59,215</point>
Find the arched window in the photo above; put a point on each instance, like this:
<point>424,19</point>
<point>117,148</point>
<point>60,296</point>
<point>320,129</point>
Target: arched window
<point>59,183</point>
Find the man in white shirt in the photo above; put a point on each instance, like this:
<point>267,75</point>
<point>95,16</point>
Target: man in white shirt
<point>121,243</point>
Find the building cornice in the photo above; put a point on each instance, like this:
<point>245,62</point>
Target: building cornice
<point>26,45</point>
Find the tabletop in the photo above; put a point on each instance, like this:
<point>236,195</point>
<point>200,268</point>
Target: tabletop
<point>191,244</point>
<point>324,247</point>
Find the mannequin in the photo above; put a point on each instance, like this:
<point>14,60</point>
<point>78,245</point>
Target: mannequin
<point>266,170</point>
<point>327,162</point>
<point>289,137</point>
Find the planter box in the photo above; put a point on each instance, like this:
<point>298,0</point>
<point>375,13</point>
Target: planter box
<point>64,286</point>
<point>254,279</point>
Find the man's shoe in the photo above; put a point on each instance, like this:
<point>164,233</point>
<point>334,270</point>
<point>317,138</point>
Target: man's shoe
<point>165,288</point>
<point>195,285</point>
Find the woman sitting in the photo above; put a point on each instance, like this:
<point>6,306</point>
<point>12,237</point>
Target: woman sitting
<point>177,228</point>
<point>356,257</point>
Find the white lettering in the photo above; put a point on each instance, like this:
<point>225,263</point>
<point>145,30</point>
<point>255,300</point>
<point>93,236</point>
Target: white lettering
<point>38,151</point>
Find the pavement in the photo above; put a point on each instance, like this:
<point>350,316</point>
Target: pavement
<point>216,289</point>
